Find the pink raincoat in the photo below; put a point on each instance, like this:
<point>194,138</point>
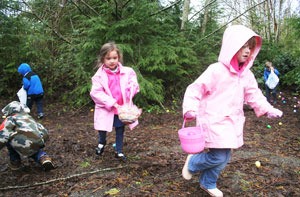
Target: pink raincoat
<point>104,101</point>
<point>219,94</point>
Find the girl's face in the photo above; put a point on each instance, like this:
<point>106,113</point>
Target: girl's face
<point>244,53</point>
<point>111,60</point>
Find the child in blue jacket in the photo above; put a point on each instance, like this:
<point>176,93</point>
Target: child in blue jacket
<point>34,88</point>
<point>270,92</point>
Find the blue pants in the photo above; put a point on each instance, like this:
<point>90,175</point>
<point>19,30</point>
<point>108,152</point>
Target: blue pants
<point>210,164</point>
<point>120,129</point>
<point>14,155</point>
<point>271,93</point>
<point>39,103</point>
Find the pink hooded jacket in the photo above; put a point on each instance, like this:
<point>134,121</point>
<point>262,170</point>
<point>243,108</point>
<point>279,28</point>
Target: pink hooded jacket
<point>219,94</point>
<point>104,101</point>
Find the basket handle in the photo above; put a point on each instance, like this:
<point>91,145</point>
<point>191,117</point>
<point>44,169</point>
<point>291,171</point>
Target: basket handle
<point>130,103</point>
<point>130,99</point>
<point>184,121</point>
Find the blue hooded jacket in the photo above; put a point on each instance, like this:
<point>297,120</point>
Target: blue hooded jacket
<point>31,81</point>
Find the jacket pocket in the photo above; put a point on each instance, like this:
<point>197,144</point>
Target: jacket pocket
<point>239,122</point>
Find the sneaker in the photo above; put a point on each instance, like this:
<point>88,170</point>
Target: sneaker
<point>185,170</point>
<point>213,192</point>
<point>46,163</point>
<point>100,149</point>
<point>15,165</point>
<point>40,115</point>
<point>120,156</point>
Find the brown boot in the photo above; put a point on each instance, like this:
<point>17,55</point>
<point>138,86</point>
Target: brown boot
<point>46,163</point>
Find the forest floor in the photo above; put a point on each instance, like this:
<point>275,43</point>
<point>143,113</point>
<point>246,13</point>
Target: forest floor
<point>155,158</point>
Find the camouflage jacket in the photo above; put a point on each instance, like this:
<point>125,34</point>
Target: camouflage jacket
<point>19,129</point>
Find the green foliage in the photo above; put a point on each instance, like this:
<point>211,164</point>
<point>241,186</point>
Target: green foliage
<point>291,40</point>
<point>61,43</point>
<point>258,70</point>
<point>292,77</point>
<point>10,48</point>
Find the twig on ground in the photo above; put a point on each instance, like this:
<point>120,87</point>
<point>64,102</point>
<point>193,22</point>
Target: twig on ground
<point>60,179</point>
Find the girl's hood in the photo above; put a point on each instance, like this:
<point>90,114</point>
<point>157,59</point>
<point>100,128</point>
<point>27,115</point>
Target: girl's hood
<point>234,38</point>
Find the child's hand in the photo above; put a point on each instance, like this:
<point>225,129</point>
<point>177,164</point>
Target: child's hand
<point>275,113</point>
<point>190,115</point>
<point>117,106</point>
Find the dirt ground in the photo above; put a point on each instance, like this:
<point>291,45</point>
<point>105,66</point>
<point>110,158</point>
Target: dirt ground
<point>155,158</point>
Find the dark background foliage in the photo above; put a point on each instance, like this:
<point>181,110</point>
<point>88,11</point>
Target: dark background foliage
<point>61,39</point>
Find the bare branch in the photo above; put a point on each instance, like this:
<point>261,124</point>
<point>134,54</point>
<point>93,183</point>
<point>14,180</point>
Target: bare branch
<point>41,20</point>
<point>202,9</point>
<point>232,20</point>
<point>165,8</point>
<point>79,9</point>
<point>87,5</point>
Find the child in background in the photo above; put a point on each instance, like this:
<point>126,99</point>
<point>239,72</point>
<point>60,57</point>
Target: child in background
<point>112,86</point>
<point>270,92</point>
<point>34,88</point>
<point>218,96</point>
<point>22,135</point>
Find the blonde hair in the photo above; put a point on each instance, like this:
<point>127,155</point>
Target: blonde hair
<point>105,49</point>
<point>269,64</point>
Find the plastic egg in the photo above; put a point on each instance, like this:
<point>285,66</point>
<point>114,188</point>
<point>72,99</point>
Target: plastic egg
<point>258,164</point>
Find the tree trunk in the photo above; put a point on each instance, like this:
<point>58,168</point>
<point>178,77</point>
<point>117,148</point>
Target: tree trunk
<point>205,17</point>
<point>269,20</point>
<point>185,13</point>
<point>277,33</point>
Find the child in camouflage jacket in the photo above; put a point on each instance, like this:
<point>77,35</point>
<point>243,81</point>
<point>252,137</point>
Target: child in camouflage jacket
<point>22,135</point>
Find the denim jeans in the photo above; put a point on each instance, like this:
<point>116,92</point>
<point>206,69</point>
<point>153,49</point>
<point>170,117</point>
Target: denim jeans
<point>120,129</point>
<point>39,103</point>
<point>14,155</point>
<point>210,164</point>
<point>269,93</point>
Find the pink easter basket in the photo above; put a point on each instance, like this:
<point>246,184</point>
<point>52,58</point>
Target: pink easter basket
<point>192,139</point>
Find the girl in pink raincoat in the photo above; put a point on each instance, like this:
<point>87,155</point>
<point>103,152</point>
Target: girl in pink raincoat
<point>112,86</point>
<point>218,96</point>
